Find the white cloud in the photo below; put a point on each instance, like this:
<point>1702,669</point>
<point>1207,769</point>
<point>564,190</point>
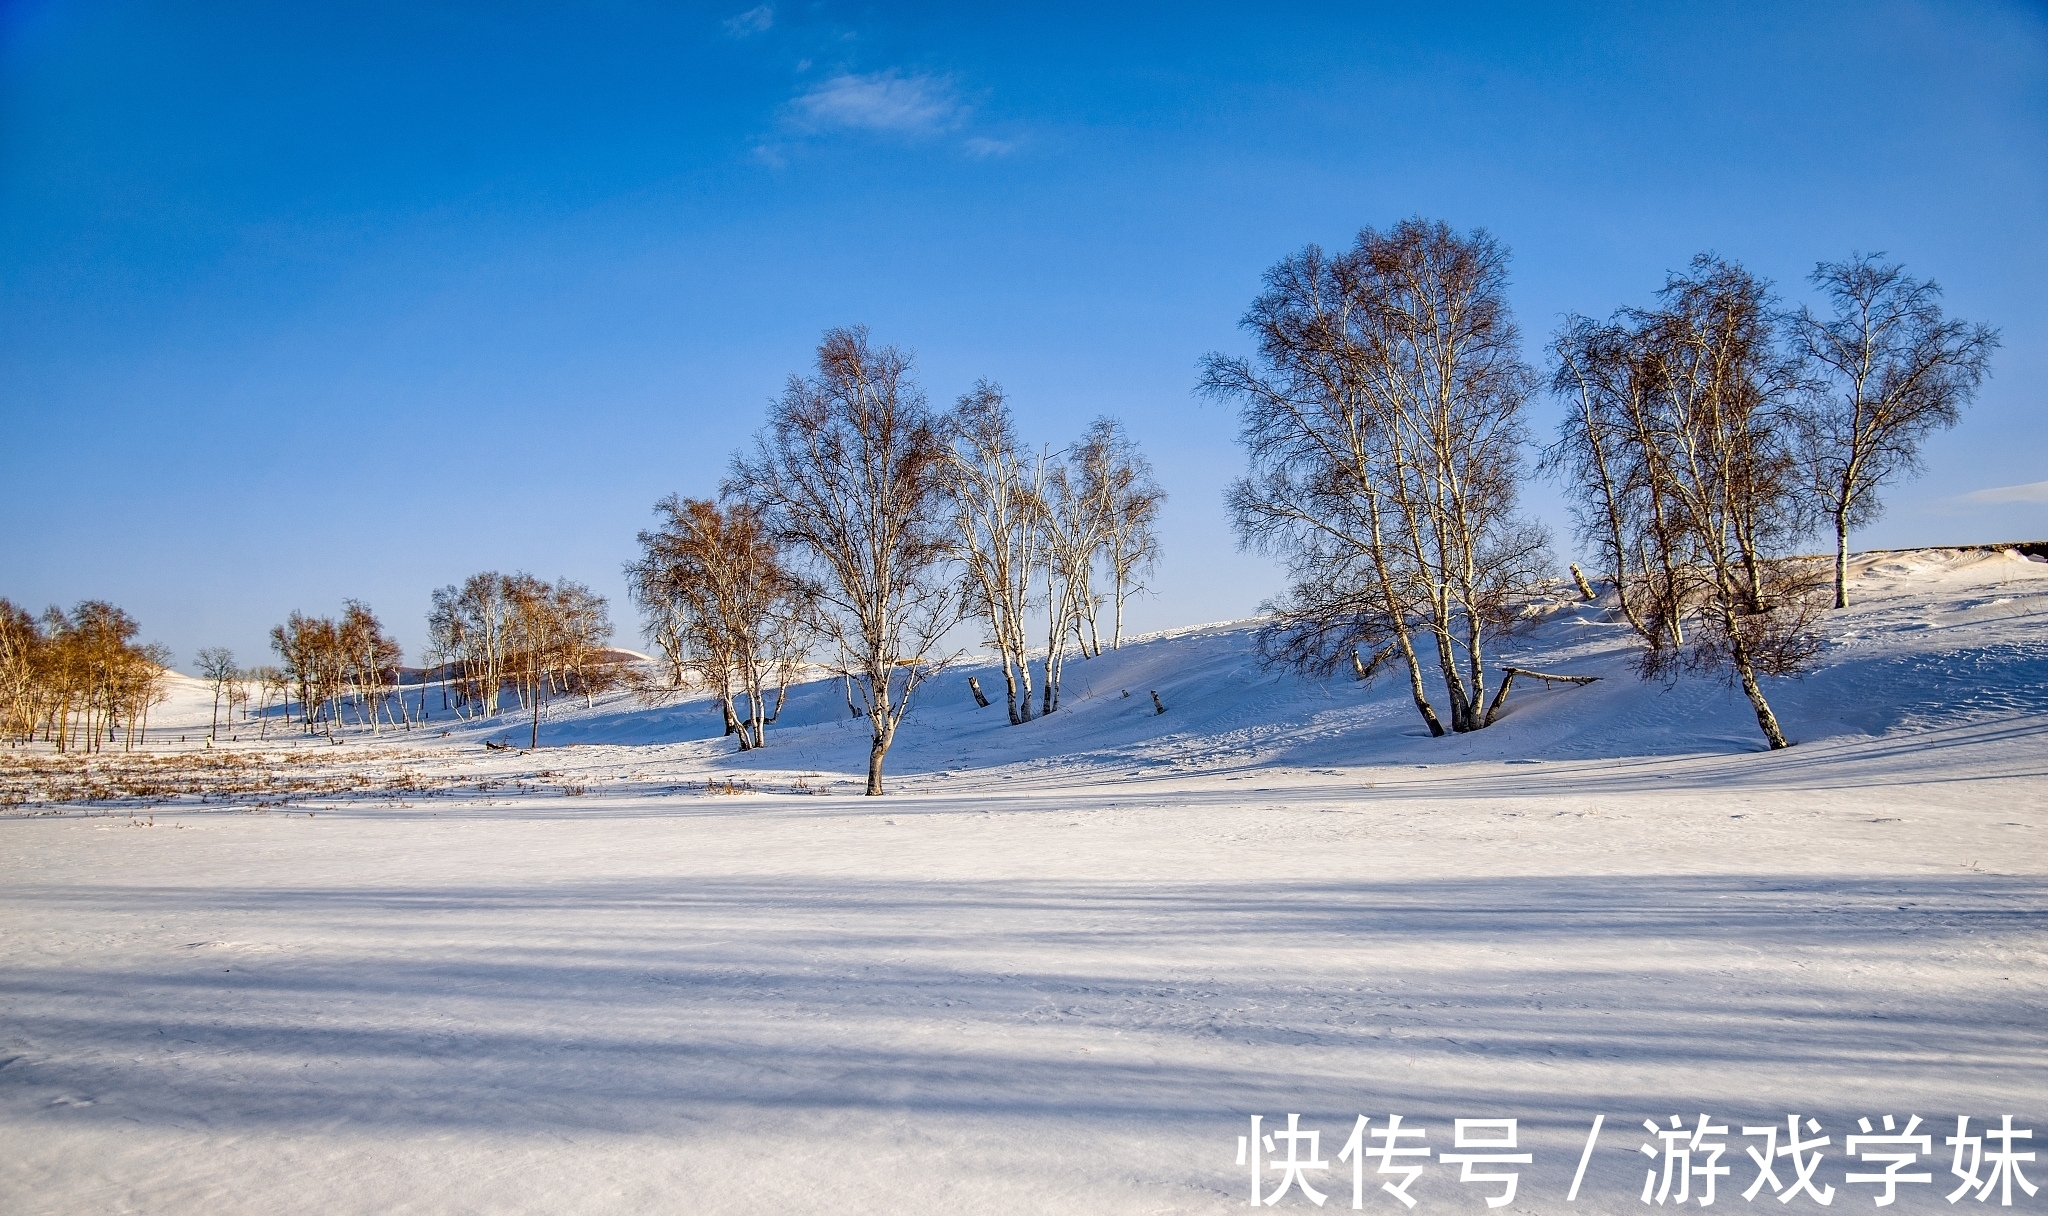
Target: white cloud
<point>879,101</point>
<point>2033,491</point>
<point>982,146</point>
<point>754,21</point>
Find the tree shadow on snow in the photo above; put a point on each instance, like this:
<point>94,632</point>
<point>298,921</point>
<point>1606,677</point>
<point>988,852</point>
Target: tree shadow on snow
<point>660,1006</point>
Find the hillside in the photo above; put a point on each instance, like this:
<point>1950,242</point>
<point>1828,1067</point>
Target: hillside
<point>1935,641</point>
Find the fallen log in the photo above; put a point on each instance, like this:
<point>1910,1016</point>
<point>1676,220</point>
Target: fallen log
<point>1507,681</point>
<point>1548,677</point>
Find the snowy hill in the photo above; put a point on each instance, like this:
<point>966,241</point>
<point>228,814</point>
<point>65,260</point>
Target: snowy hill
<point>1934,639</point>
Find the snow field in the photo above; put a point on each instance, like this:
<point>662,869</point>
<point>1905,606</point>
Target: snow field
<point>1061,966</point>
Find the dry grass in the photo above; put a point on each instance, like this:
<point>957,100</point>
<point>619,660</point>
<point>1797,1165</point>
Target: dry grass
<point>47,784</point>
<point>238,777</point>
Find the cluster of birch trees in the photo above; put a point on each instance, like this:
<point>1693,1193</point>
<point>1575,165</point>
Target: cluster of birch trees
<point>1062,533</point>
<point>724,608</point>
<point>337,669</point>
<point>865,525</point>
<point>1705,440</point>
<point>1708,436</point>
<point>1383,415</point>
<point>77,679</point>
<point>539,639</point>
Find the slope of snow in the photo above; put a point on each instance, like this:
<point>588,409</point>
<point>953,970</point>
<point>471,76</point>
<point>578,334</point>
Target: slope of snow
<point>1063,965</point>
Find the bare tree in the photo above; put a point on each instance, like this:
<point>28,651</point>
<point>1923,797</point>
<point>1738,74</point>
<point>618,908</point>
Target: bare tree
<point>295,650</point>
<point>1383,422</point>
<point>1087,506</point>
<point>23,679</point>
<point>1893,371</point>
<point>122,679</point>
<point>1702,477</point>
<point>1117,475</point>
<point>270,684</point>
<point>239,695</point>
<point>850,470</point>
<point>217,665</point>
<point>369,657</point>
<point>586,665</point>
<point>532,639</point>
<point>1318,495</point>
<point>1059,518</point>
<point>469,623</point>
<point>998,516</point>
<point>1091,501</point>
<point>551,629</point>
<point>662,619</point>
<point>741,618</point>
<point>1607,452</point>
<point>1073,524</point>
<point>143,684</point>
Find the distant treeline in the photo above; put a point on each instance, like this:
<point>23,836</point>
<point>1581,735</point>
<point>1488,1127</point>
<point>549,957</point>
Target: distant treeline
<point>77,679</point>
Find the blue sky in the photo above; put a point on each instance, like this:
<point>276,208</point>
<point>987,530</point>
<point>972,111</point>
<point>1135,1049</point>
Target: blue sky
<point>300,303</point>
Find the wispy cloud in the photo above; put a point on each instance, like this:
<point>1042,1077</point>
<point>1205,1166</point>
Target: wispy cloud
<point>982,146</point>
<point>879,101</point>
<point>754,21</point>
<point>1998,496</point>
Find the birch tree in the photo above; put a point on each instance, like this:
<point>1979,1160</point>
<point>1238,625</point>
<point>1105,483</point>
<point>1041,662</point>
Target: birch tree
<point>850,471</point>
<point>1892,370</point>
<point>1117,477</point>
<point>1724,425</point>
<point>369,656</point>
<point>270,685</point>
<point>663,619</point>
<point>1686,419</point>
<point>316,662</point>
<point>550,631</point>
<point>533,640</point>
<point>742,619</point>
<point>586,667</point>
<point>469,622</point>
<point>1073,526</point>
<point>1382,418</point>
<point>1607,452</point>
<point>217,666</point>
<point>996,522</point>
<point>22,665</point>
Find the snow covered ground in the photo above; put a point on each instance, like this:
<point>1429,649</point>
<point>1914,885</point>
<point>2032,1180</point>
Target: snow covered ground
<point>1060,968</point>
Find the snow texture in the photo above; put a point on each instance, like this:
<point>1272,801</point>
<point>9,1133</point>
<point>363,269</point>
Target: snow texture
<point>1059,968</point>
